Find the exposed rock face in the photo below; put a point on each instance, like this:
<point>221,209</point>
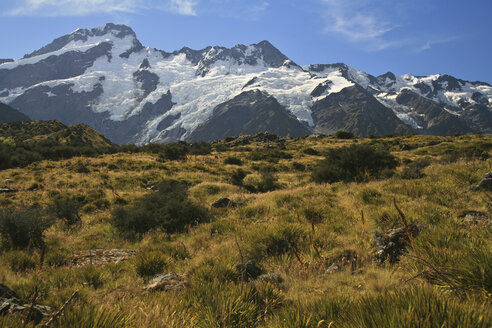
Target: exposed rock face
<point>486,182</point>
<point>10,302</point>
<point>392,244</point>
<point>166,282</point>
<point>354,109</point>
<point>249,113</point>
<point>432,117</point>
<point>8,114</point>
<point>475,217</point>
<point>101,256</point>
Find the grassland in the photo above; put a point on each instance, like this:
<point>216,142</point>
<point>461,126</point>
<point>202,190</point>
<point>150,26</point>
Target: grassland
<point>445,282</point>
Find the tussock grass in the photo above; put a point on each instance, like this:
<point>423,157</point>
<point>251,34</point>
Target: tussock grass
<point>297,230</point>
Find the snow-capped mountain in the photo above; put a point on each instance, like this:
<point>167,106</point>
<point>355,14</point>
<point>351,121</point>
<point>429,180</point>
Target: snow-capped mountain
<point>106,78</point>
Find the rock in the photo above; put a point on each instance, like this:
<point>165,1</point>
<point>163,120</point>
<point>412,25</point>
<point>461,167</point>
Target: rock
<point>9,180</point>
<point>222,203</point>
<point>5,189</point>
<point>10,302</point>
<point>166,281</point>
<point>392,244</point>
<point>248,271</point>
<point>486,182</point>
<point>333,268</point>
<point>475,217</point>
<point>101,256</point>
<point>273,277</point>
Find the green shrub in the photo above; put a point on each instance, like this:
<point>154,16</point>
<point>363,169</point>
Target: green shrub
<point>370,196</point>
<point>237,177</point>
<point>168,209</point>
<point>148,263</point>
<point>344,135</point>
<point>354,163</point>
<point>270,155</point>
<point>66,209</point>
<point>57,257</point>
<point>233,160</point>
<point>81,167</point>
<point>20,261</point>
<point>92,276</point>
<point>298,166</point>
<point>310,151</point>
<point>174,151</point>
<point>414,170</point>
<point>23,227</point>
<point>200,148</point>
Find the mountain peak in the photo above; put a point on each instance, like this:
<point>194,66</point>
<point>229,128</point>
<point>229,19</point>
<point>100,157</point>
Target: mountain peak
<point>81,34</point>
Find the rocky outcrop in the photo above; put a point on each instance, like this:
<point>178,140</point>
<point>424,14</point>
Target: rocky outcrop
<point>166,282</point>
<point>10,303</point>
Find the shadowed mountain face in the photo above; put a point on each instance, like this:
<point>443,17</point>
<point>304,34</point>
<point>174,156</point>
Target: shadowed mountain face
<point>8,114</point>
<point>354,109</point>
<point>249,113</point>
<point>105,78</point>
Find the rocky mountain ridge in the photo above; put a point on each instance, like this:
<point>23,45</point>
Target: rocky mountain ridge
<point>106,78</point>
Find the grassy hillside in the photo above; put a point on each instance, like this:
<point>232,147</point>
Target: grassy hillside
<point>314,240</point>
<point>25,142</point>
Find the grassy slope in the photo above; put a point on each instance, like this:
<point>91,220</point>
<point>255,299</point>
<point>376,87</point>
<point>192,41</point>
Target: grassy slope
<point>373,296</point>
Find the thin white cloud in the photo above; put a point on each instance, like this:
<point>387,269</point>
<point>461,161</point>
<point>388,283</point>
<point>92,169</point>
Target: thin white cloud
<point>431,43</point>
<point>183,7</point>
<point>358,22</point>
<point>56,8</point>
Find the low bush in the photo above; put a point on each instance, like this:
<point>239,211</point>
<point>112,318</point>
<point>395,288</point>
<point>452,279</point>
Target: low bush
<point>66,209</point>
<point>237,177</point>
<point>148,263</point>
<point>414,169</point>
<point>200,148</point>
<point>168,208</point>
<point>344,135</point>
<point>174,151</point>
<point>23,227</point>
<point>233,160</point>
<point>310,151</point>
<point>354,163</point>
<point>20,261</point>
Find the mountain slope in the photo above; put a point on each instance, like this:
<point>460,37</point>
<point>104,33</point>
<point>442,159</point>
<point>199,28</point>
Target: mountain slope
<point>104,77</point>
<point>250,112</point>
<point>8,114</point>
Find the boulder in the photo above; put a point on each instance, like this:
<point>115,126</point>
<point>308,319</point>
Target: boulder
<point>10,303</point>
<point>333,268</point>
<point>5,190</point>
<point>392,244</point>
<point>272,277</point>
<point>166,282</point>
<point>222,203</point>
<point>101,256</point>
<point>475,217</point>
<point>486,182</point>
<point>248,271</point>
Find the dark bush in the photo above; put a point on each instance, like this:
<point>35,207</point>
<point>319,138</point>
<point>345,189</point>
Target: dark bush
<point>237,177</point>
<point>271,155</point>
<point>66,209</point>
<point>298,166</point>
<point>233,160</point>
<point>268,181</point>
<point>414,170</point>
<point>174,151</point>
<point>354,163</point>
<point>81,168</point>
<point>310,151</point>
<point>200,148</point>
<point>23,227</point>
<point>168,209</point>
<point>344,135</point>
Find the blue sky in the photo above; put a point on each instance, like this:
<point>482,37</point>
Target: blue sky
<point>376,36</point>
